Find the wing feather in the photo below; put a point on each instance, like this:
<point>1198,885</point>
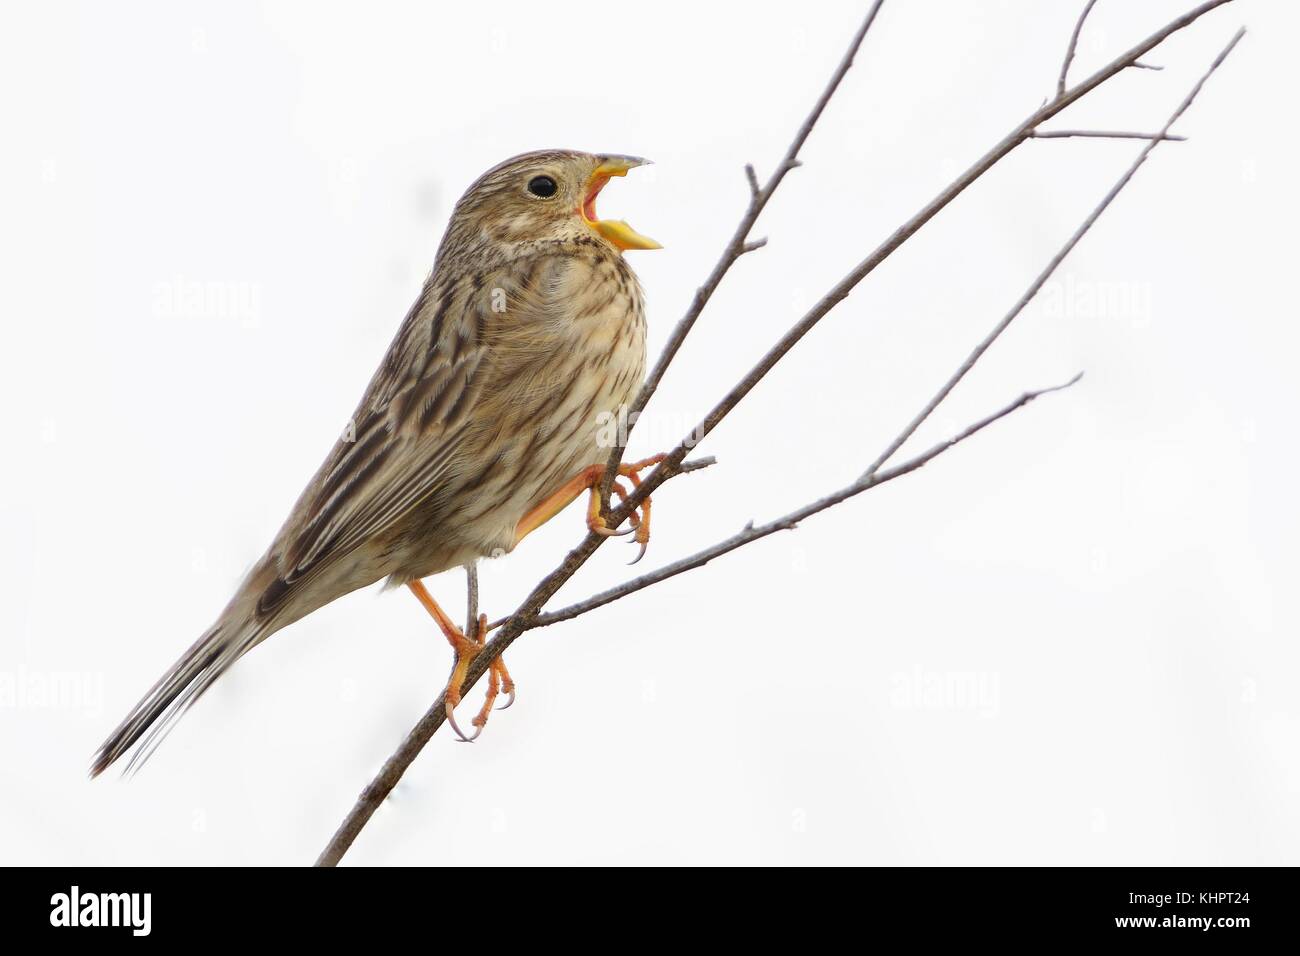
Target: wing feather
<point>418,409</point>
<point>402,437</point>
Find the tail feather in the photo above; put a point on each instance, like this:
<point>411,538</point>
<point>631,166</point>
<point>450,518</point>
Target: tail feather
<point>157,712</point>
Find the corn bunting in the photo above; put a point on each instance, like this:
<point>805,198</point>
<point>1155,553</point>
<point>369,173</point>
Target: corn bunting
<point>482,422</point>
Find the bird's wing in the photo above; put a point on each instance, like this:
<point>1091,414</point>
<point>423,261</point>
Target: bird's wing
<point>401,438</point>
<point>416,411</point>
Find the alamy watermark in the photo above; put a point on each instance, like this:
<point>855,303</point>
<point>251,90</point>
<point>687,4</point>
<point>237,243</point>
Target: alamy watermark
<point>612,429</point>
<point>975,691</point>
<point>197,299</point>
<point>75,908</point>
<point>25,689</point>
<point>1074,298</point>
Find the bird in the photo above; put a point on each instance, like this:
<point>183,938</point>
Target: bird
<point>482,422</point>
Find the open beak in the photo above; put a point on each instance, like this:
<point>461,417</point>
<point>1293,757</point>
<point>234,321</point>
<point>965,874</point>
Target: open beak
<point>615,230</point>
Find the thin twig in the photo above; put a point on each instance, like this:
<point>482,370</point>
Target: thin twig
<point>1099,134</point>
<point>874,476</point>
<point>1069,51</point>
<point>1051,266</point>
<point>846,285</point>
<point>751,532</point>
<point>695,464</point>
<point>735,248</point>
<point>525,616</point>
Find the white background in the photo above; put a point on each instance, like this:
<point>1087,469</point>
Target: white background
<point>1071,640</point>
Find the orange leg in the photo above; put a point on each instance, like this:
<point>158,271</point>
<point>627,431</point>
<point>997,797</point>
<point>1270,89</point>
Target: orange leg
<point>589,480</point>
<point>561,498</point>
<point>498,681</point>
<point>466,649</point>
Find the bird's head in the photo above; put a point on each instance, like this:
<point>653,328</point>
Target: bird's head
<point>543,196</point>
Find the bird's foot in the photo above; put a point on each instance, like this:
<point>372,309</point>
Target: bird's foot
<point>466,649</point>
<point>640,517</point>
<point>589,479</point>
<point>498,682</point>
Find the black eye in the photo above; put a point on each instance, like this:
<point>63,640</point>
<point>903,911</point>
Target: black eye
<point>543,186</point>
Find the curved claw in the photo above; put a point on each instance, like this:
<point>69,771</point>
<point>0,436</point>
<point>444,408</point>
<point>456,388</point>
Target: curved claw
<point>640,554</point>
<point>508,704</point>
<point>605,532</point>
<point>451,719</point>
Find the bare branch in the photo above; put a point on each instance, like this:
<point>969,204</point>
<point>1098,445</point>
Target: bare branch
<point>1145,66</point>
<point>904,232</point>
<point>526,615</point>
<point>1069,51</point>
<point>737,246</point>
<point>1051,267</point>
<point>1101,134</point>
<point>873,476</point>
<point>695,464</point>
<point>751,533</point>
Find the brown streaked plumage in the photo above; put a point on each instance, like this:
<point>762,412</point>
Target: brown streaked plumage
<point>529,327</point>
